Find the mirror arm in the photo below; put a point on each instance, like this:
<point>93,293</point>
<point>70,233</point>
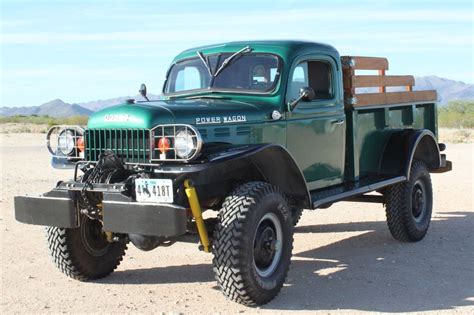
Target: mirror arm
<point>293,104</point>
<point>142,92</point>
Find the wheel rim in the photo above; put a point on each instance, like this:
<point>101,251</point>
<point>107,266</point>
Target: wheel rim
<point>93,238</point>
<point>418,204</point>
<point>267,245</point>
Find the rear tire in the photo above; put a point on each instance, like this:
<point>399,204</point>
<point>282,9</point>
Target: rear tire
<point>409,205</point>
<point>84,253</point>
<point>253,241</point>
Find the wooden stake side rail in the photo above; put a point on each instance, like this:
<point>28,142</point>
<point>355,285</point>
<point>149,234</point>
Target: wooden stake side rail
<point>352,81</point>
<point>357,81</point>
<point>369,99</point>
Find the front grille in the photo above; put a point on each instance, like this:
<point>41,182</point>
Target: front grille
<point>130,145</point>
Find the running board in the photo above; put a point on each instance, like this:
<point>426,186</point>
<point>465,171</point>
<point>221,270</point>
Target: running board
<point>322,197</point>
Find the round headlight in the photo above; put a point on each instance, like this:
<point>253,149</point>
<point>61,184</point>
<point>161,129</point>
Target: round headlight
<point>185,143</point>
<point>66,142</point>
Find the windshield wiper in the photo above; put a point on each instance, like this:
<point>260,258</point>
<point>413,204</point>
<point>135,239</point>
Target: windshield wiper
<point>205,61</point>
<point>227,61</point>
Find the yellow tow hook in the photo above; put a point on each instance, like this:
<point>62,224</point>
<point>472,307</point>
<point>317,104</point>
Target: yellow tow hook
<point>197,214</point>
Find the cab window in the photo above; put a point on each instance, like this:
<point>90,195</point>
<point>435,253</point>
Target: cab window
<point>315,74</point>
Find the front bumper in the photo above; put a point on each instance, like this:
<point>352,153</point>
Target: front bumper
<point>44,210</point>
<point>120,214</point>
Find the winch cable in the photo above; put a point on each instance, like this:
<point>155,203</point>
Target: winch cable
<point>107,164</point>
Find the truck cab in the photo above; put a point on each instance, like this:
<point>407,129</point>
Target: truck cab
<point>244,137</point>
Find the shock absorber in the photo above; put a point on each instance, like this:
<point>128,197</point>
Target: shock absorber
<point>197,214</point>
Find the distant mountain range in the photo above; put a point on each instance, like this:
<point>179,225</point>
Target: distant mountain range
<point>98,105</point>
<point>55,108</point>
<point>447,90</point>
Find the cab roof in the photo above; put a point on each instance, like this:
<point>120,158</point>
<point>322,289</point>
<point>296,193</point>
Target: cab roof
<point>287,49</point>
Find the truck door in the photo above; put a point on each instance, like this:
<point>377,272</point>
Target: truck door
<point>316,129</point>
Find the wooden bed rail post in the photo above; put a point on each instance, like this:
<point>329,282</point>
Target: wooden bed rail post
<point>382,89</point>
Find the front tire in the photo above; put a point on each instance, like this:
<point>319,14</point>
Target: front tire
<point>296,215</point>
<point>253,241</point>
<point>409,205</point>
<point>84,253</point>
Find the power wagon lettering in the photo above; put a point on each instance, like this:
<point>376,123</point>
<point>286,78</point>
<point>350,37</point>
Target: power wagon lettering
<point>219,120</point>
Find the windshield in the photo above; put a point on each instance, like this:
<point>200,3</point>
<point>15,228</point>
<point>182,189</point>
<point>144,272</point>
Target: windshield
<point>254,73</point>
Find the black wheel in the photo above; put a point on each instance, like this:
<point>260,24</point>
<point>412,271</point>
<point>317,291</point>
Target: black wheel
<point>296,215</point>
<point>84,253</point>
<point>409,205</point>
<point>253,241</point>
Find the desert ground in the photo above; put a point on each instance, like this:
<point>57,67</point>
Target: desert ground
<point>344,258</point>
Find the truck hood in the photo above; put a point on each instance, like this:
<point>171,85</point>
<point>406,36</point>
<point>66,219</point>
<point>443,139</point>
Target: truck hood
<point>194,112</point>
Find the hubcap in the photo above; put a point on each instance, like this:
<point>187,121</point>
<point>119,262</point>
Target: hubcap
<point>418,201</point>
<point>267,245</point>
<point>93,237</point>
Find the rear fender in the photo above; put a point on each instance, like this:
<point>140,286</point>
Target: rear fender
<point>407,145</point>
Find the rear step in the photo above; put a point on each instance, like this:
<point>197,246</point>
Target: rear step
<point>347,191</point>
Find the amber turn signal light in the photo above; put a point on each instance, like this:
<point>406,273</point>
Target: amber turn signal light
<point>164,144</point>
<point>80,144</point>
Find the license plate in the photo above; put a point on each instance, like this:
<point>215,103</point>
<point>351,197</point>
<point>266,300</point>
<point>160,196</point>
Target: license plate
<point>154,190</point>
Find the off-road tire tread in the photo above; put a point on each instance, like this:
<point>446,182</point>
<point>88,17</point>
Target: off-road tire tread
<point>70,263</point>
<point>296,216</point>
<point>228,247</point>
<point>397,207</point>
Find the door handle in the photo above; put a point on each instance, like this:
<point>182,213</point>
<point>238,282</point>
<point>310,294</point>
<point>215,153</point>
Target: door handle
<point>337,122</point>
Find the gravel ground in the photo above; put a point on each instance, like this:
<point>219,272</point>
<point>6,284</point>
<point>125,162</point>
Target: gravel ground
<point>344,258</point>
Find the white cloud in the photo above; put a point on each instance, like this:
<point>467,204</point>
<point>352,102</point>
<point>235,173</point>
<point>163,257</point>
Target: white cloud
<point>346,14</point>
<point>411,40</point>
<point>222,25</point>
<point>153,36</point>
<point>66,72</point>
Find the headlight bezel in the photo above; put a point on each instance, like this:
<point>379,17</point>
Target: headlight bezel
<point>187,143</point>
<point>66,142</point>
<point>54,136</point>
<point>171,131</point>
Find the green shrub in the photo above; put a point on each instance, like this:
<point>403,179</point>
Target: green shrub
<point>45,120</point>
<point>457,114</point>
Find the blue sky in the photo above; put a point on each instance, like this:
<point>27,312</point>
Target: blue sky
<point>87,50</point>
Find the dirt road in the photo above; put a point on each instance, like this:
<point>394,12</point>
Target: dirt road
<point>344,257</point>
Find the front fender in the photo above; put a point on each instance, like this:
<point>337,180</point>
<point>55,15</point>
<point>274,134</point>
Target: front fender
<point>271,163</point>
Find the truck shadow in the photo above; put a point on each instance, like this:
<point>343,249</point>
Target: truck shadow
<point>366,272</point>
<point>373,272</point>
<point>162,275</point>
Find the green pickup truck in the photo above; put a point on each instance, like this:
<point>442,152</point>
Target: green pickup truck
<point>244,137</point>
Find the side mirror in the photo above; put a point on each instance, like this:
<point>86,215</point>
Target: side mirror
<point>306,94</point>
<point>142,91</point>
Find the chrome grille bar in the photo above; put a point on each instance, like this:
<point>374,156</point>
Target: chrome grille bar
<point>125,143</point>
